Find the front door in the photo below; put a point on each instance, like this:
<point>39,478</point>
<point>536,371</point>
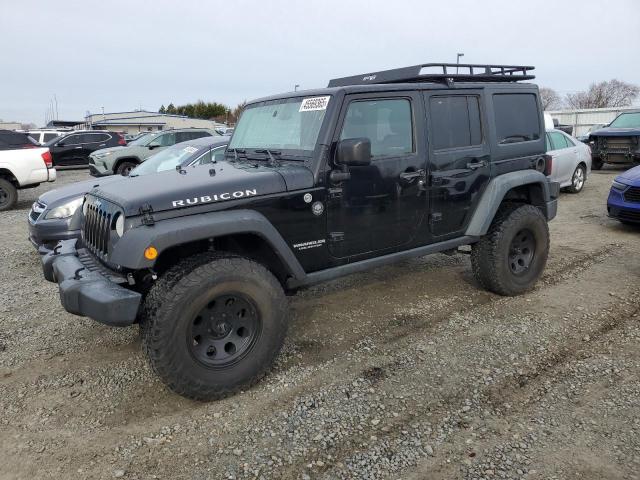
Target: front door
<point>70,149</point>
<point>459,167</point>
<point>381,205</point>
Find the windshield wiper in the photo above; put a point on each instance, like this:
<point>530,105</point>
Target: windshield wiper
<point>271,153</point>
<point>235,152</point>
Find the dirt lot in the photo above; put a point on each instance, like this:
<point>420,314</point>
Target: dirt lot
<point>409,371</point>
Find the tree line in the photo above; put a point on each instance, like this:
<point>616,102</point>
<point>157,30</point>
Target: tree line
<point>608,94</point>
<point>206,110</point>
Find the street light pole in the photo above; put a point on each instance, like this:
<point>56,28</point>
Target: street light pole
<point>458,60</point>
<point>295,88</point>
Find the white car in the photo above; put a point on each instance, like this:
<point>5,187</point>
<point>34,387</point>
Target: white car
<point>570,160</point>
<point>43,136</point>
<point>23,168</point>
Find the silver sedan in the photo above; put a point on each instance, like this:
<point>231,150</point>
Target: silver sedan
<point>571,160</point>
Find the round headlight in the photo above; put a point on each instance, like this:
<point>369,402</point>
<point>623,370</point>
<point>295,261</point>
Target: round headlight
<point>120,225</point>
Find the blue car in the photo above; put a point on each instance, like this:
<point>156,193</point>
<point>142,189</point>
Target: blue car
<point>624,197</point>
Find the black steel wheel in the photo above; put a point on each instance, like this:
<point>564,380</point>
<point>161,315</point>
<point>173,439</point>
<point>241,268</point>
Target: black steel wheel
<point>8,195</point>
<point>521,251</point>
<point>224,330</point>
<point>213,324</point>
<point>511,257</point>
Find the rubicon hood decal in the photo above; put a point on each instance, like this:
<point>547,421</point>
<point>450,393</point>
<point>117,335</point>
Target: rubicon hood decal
<point>215,197</point>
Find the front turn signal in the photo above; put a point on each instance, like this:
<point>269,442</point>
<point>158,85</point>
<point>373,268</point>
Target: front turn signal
<point>151,253</point>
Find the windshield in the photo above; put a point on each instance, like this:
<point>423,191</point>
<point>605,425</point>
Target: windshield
<point>289,125</point>
<point>144,139</point>
<point>167,159</point>
<point>627,120</point>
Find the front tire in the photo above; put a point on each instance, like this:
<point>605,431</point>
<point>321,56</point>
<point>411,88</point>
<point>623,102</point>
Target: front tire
<point>213,325</point>
<point>8,195</point>
<point>511,257</point>
<point>125,168</point>
<point>577,179</point>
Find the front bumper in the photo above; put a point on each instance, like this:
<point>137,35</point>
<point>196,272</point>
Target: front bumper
<point>87,288</point>
<point>98,168</point>
<point>619,208</point>
<point>48,233</point>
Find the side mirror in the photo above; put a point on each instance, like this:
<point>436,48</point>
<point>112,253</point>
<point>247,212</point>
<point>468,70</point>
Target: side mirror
<point>354,152</point>
<point>151,147</point>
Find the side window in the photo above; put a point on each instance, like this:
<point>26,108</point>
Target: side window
<point>165,140</point>
<point>95,137</point>
<point>517,117</point>
<point>558,141</point>
<point>386,123</point>
<point>200,134</point>
<point>570,142</point>
<point>204,158</point>
<point>73,140</point>
<point>217,154</point>
<point>49,136</point>
<point>455,122</point>
<point>547,142</point>
<point>183,136</point>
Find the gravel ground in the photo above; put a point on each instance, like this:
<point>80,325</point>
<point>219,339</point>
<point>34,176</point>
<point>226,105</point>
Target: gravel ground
<point>405,372</point>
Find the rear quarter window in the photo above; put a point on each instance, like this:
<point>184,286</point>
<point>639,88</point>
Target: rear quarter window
<point>517,118</point>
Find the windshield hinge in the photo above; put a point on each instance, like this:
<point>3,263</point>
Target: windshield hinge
<point>146,210</point>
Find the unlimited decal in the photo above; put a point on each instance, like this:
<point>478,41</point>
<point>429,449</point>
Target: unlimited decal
<point>215,198</point>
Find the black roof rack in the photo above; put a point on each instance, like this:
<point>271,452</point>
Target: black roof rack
<point>440,72</point>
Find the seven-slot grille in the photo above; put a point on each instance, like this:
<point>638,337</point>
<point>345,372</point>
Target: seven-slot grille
<point>632,194</point>
<point>96,231</point>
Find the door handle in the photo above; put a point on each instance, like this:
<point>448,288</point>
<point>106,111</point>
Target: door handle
<point>476,165</point>
<point>77,148</point>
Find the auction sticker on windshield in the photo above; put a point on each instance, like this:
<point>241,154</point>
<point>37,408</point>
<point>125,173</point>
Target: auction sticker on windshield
<point>190,149</point>
<point>314,103</point>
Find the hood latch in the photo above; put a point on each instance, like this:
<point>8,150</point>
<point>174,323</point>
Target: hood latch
<point>146,210</point>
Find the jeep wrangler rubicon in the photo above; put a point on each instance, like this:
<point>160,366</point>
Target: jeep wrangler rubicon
<point>316,184</point>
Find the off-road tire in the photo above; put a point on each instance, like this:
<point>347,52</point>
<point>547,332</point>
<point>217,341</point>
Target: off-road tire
<point>168,313</point>
<point>596,164</point>
<point>125,168</point>
<point>490,256</point>
<point>8,195</point>
<point>576,186</point>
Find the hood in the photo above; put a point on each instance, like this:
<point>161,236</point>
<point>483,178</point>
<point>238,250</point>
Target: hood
<point>616,132</point>
<point>630,176</point>
<point>205,184</point>
<point>64,194</point>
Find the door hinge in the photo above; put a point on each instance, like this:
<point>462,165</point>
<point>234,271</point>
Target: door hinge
<point>336,236</point>
<point>435,217</point>
<point>335,193</point>
<point>146,210</point>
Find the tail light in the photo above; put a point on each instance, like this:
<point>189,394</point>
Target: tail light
<point>121,140</point>
<point>46,157</point>
<point>548,164</point>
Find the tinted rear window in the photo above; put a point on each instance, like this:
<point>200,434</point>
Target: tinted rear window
<point>455,122</point>
<point>517,118</point>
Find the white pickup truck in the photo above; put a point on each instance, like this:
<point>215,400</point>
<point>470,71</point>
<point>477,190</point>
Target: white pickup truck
<point>23,168</point>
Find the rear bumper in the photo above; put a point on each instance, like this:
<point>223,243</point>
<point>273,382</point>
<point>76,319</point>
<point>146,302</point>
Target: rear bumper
<point>87,292</point>
<point>552,203</point>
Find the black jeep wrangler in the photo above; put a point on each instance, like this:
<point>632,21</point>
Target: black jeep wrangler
<point>374,169</point>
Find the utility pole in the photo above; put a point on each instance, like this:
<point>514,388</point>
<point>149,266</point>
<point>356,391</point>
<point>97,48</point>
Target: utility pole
<point>458,60</point>
<point>295,88</point>
<point>55,99</point>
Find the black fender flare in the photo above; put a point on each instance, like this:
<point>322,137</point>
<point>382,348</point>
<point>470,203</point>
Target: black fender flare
<point>128,252</point>
<point>496,190</point>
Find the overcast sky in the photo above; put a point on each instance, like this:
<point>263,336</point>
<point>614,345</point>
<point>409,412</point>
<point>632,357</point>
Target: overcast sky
<point>123,55</point>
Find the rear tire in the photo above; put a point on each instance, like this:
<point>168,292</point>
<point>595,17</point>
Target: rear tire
<point>8,195</point>
<point>125,168</point>
<point>213,325</point>
<point>577,179</point>
<point>511,257</point>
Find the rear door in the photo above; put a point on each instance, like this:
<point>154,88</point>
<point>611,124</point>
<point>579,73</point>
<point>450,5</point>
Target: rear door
<point>563,157</point>
<point>460,154</point>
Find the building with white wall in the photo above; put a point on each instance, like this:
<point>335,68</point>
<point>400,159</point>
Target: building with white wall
<point>144,121</point>
<point>583,119</point>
